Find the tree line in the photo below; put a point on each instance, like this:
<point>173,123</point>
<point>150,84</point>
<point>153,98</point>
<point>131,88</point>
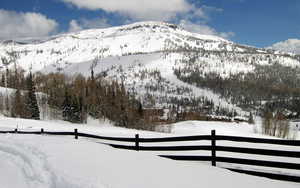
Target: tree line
<point>70,98</point>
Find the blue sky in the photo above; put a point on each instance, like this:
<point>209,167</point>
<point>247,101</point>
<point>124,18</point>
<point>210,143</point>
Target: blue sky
<point>258,23</point>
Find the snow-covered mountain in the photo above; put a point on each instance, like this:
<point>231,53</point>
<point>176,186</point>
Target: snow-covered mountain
<point>144,56</point>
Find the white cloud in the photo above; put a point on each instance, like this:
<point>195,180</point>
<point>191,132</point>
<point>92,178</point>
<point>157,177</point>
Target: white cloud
<point>290,45</point>
<point>19,24</point>
<point>203,29</point>
<point>74,26</point>
<point>77,25</point>
<point>162,10</point>
<point>227,35</point>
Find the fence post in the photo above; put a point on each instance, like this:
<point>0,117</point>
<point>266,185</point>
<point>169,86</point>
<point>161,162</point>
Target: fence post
<point>42,131</point>
<point>76,133</point>
<point>213,147</point>
<point>137,144</point>
<point>16,130</point>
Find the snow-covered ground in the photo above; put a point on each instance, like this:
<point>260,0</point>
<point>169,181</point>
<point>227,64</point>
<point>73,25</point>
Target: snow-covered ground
<point>57,161</point>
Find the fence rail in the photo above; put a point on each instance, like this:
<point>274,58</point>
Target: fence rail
<point>259,140</point>
<point>213,147</point>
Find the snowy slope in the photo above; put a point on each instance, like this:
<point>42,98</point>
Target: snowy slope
<point>131,53</point>
<point>135,71</point>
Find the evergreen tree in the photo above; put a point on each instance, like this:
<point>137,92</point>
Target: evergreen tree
<point>31,106</point>
<point>66,107</point>
<point>76,112</point>
<point>72,108</point>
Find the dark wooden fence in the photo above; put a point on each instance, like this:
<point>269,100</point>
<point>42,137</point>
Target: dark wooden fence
<point>213,148</point>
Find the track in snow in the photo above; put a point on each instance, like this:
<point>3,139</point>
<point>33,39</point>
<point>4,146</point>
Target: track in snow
<point>28,167</point>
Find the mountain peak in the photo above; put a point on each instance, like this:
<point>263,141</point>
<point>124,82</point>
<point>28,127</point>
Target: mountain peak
<point>152,24</point>
<point>145,28</point>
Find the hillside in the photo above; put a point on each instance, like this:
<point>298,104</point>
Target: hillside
<point>164,65</point>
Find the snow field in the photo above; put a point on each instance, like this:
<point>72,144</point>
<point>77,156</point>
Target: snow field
<point>59,162</point>
<point>45,161</point>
